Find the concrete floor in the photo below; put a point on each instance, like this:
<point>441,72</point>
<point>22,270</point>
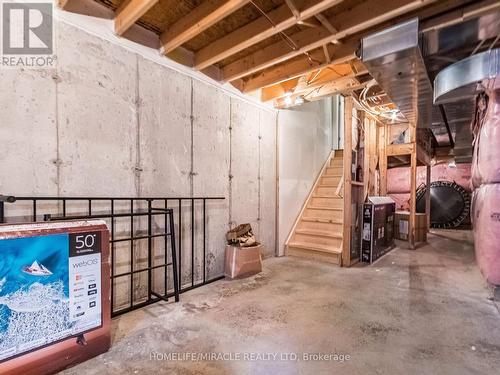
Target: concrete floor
<point>426,311</point>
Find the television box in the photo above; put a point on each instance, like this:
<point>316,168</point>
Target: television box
<point>378,228</point>
<point>54,295</point>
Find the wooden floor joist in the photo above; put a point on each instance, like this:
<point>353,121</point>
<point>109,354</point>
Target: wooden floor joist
<point>129,12</point>
<point>349,22</point>
<point>298,66</point>
<point>257,31</point>
<point>200,19</point>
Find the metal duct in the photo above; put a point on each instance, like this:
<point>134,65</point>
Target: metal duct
<point>393,58</point>
<point>466,78</point>
<point>447,44</point>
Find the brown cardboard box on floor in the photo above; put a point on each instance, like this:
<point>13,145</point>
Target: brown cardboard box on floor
<point>401,225</point>
<point>242,261</point>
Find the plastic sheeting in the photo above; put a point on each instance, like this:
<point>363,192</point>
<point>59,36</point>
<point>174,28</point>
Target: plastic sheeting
<point>486,157</point>
<point>486,221</point>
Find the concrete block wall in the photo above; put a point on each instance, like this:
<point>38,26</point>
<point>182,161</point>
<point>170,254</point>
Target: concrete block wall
<point>109,122</point>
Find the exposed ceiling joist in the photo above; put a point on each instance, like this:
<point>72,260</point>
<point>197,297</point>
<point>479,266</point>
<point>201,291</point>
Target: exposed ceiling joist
<point>341,86</point>
<point>257,31</point>
<point>279,90</point>
<point>200,19</point>
<point>291,5</point>
<point>351,21</point>
<point>342,74</point>
<point>129,12</point>
<point>327,53</point>
<point>300,65</point>
<point>324,21</point>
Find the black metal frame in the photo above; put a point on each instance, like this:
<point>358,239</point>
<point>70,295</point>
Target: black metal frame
<point>150,212</point>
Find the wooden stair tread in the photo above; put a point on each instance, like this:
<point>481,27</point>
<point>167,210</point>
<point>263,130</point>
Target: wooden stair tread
<point>326,196</point>
<point>325,208</point>
<point>321,233</point>
<point>326,221</point>
<point>315,247</point>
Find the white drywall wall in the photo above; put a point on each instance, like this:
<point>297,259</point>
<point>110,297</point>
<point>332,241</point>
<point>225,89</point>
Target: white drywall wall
<point>305,141</point>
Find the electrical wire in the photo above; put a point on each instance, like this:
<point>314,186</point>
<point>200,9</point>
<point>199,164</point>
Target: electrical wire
<point>288,40</point>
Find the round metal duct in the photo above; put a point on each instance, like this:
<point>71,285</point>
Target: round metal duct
<point>450,204</point>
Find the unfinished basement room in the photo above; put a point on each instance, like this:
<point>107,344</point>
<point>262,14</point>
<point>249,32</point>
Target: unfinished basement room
<point>207,187</point>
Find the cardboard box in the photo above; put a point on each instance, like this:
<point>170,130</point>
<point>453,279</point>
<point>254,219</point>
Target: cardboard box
<point>242,261</point>
<point>377,231</point>
<point>56,250</point>
<point>402,225</point>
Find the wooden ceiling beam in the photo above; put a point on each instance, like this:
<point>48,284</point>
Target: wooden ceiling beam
<point>279,90</point>
<point>324,21</point>
<point>200,19</point>
<point>291,5</point>
<point>340,86</point>
<point>129,12</point>
<point>356,19</point>
<point>258,30</point>
<point>340,73</point>
<point>299,66</point>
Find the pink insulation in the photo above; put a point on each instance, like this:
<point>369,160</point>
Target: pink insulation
<point>486,157</point>
<point>486,222</point>
<point>398,180</point>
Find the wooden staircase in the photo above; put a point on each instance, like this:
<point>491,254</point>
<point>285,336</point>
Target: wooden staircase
<point>317,233</point>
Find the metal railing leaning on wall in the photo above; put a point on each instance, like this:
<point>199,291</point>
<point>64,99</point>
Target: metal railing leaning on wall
<point>147,228</point>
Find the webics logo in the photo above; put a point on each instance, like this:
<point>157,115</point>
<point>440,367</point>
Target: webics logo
<point>86,263</point>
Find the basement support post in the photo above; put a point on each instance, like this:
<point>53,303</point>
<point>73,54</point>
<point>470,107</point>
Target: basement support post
<point>413,200</point>
<point>428,196</point>
<point>383,159</point>
<point>346,232</point>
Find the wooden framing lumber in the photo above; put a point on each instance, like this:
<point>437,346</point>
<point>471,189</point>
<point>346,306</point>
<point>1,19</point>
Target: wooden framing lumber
<point>302,86</point>
<point>129,12</point>
<point>297,67</point>
<point>326,24</point>
<point>383,159</point>
<point>413,197</point>
<point>351,21</point>
<point>346,231</point>
<point>328,89</point>
<point>200,19</point>
<point>291,5</point>
<point>279,90</point>
<point>341,74</point>
<point>257,31</point>
<point>428,195</point>
<point>400,149</point>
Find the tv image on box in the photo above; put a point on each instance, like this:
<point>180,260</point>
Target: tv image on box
<point>46,271</point>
